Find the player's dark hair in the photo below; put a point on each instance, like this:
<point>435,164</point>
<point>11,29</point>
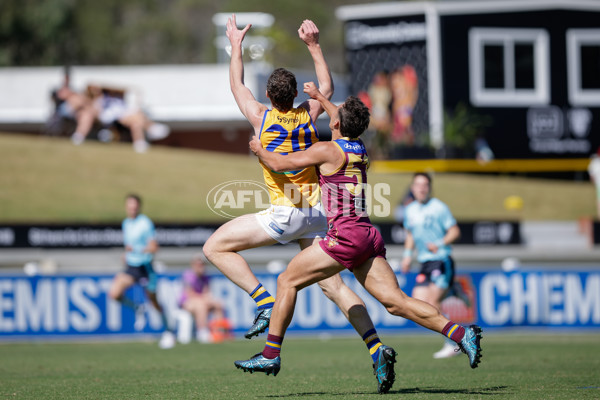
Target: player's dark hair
<point>282,89</point>
<point>423,174</point>
<point>135,197</point>
<point>354,117</point>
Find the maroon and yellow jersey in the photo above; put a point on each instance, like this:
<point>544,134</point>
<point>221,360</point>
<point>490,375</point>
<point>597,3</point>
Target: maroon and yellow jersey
<point>351,238</point>
<point>343,191</point>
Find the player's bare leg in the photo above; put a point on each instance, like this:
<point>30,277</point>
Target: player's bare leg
<point>309,266</point>
<point>222,249</point>
<point>378,278</point>
<point>355,311</point>
<point>380,281</point>
<point>121,282</point>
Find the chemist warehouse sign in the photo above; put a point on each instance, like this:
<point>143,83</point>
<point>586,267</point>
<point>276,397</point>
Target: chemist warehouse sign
<point>79,305</point>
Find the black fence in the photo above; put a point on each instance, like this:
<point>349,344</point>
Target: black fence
<point>73,236</point>
<point>97,236</point>
<point>480,233</point>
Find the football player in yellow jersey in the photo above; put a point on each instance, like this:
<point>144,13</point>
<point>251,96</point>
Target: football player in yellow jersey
<point>282,128</point>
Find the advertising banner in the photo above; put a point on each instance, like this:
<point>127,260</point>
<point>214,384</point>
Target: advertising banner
<point>65,306</point>
<point>73,236</point>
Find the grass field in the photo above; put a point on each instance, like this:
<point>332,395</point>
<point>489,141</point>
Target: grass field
<point>49,180</point>
<point>529,366</point>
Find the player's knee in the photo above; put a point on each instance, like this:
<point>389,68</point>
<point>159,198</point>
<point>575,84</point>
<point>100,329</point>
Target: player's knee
<point>286,281</point>
<point>282,280</point>
<point>216,244</point>
<point>209,249</point>
<point>394,307</point>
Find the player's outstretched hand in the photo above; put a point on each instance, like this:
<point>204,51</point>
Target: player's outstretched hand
<point>235,35</point>
<point>255,144</point>
<point>308,32</point>
<point>311,89</point>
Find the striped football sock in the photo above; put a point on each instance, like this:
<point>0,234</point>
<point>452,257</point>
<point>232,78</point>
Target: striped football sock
<point>262,298</point>
<point>453,332</point>
<point>272,347</point>
<point>373,343</point>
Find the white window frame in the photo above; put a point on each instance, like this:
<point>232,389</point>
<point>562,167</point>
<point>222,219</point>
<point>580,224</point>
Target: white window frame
<point>509,96</point>
<point>575,39</point>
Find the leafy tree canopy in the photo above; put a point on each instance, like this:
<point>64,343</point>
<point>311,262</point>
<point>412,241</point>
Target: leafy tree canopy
<point>113,32</point>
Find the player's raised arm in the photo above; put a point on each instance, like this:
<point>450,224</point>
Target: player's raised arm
<point>311,89</point>
<point>244,98</point>
<point>309,33</point>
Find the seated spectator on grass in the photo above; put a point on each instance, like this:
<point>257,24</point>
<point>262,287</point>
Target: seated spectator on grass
<point>109,107</point>
<point>73,106</point>
<point>197,299</point>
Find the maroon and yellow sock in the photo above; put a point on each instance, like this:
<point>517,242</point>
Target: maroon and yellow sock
<point>453,332</point>
<point>273,346</point>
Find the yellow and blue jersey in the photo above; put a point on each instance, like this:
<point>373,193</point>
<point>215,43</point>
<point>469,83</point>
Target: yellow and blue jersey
<point>286,133</point>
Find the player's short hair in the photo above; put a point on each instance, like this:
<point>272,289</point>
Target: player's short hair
<point>135,197</point>
<point>354,117</point>
<point>282,89</point>
<point>423,174</point>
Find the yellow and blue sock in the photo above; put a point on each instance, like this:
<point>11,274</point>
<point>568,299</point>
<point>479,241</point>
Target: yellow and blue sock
<point>262,297</point>
<point>373,343</point>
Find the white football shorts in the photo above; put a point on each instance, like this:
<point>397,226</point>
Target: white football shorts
<point>284,223</point>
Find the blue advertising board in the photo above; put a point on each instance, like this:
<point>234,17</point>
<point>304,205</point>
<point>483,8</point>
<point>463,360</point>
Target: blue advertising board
<point>78,305</point>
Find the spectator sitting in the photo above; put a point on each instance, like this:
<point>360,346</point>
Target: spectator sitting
<point>109,106</point>
<point>197,299</point>
<point>70,105</point>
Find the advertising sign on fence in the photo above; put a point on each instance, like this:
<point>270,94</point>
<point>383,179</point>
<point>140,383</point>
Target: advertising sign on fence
<point>79,305</point>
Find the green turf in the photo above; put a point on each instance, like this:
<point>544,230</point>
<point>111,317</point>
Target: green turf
<point>50,180</point>
<point>513,367</point>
